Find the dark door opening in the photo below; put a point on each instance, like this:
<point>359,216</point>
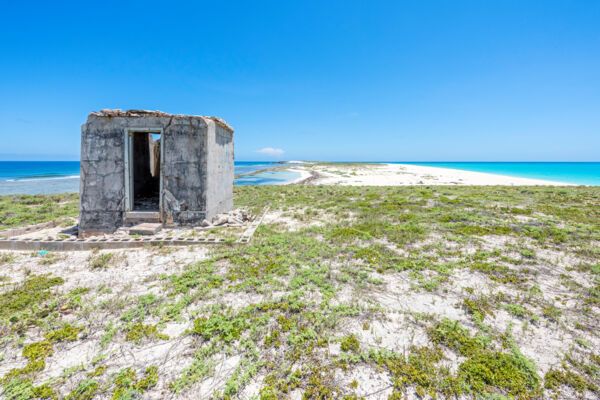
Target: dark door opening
<point>145,164</point>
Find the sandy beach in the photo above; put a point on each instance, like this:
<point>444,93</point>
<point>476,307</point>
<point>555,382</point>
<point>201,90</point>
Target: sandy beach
<point>406,175</point>
<point>304,175</point>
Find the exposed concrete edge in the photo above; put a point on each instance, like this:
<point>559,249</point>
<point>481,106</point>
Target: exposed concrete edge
<point>249,232</point>
<point>6,243</point>
<point>110,113</point>
<point>220,122</point>
<point>91,244</point>
<point>33,228</point>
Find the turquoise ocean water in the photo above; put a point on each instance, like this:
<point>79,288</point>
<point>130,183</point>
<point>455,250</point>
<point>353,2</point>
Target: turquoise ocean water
<point>36,177</point>
<point>580,173</point>
<point>33,177</point>
<point>263,178</point>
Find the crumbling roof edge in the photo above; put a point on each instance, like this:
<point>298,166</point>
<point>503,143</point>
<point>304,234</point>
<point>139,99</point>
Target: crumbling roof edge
<point>150,113</point>
<point>220,122</point>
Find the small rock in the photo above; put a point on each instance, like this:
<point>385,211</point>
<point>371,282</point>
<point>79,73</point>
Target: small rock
<point>219,220</point>
<point>233,220</point>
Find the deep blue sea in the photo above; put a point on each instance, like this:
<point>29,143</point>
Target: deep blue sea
<point>33,177</point>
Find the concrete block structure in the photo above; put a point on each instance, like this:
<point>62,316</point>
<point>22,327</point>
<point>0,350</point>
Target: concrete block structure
<point>150,166</point>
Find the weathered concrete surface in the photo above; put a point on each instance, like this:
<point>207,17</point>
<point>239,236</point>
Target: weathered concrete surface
<point>145,228</point>
<point>91,244</point>
<point>134,217</point>
<point>197,169</point>
<point>219,193</point>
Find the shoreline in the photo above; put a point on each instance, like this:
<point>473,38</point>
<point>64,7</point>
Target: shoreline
<point>304,175</point>
<point>353,174</point>
<point>408,175</point>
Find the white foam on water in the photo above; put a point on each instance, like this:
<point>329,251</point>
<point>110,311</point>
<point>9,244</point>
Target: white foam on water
<point>41,178</point>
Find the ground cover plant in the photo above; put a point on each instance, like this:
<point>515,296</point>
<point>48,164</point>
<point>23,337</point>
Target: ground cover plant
<point>344,292</point>
<point>17,210</point>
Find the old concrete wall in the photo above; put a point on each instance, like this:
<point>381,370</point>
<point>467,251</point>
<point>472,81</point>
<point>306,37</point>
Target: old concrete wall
<point>184,171</point>
<point>197,167</point>
<point>221,170</point>
<point>102,187</point>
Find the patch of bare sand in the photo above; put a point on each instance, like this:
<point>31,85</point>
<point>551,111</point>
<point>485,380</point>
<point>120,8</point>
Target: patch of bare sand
<point>406,174</point>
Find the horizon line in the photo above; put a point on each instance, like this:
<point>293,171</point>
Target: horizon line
<point>365,161</point>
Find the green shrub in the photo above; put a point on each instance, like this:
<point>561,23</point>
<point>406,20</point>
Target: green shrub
<point>350,343</point>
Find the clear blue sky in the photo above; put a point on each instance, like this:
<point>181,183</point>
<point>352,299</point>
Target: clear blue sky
<point>324,80</point>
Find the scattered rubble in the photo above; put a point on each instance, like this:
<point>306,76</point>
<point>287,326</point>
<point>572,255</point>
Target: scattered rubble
<point>237,217</point>
<point>68,228</point>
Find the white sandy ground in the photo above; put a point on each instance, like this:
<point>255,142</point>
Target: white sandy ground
<point>136,272</point>
<point>406,175</point>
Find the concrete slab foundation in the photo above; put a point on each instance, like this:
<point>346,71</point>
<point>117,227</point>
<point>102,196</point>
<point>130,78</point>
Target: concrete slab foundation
<point>145,228</point>
<point>167,238</point>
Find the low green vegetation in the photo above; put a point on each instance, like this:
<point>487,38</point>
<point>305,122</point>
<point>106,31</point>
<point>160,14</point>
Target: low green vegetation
<point>100,261</point>
<point>22,304</point>
<point>433,292</point>
<point>17,210</point>
<point>139,331</point>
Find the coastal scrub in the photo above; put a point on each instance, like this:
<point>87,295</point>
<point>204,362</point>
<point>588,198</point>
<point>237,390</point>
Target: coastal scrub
<point>343,292</point>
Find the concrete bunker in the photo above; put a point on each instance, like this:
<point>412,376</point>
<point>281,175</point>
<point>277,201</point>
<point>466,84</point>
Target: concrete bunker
<point>150,166</point>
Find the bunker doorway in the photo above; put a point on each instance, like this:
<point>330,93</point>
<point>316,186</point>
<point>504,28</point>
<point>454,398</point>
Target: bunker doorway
<point>145,174</point>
